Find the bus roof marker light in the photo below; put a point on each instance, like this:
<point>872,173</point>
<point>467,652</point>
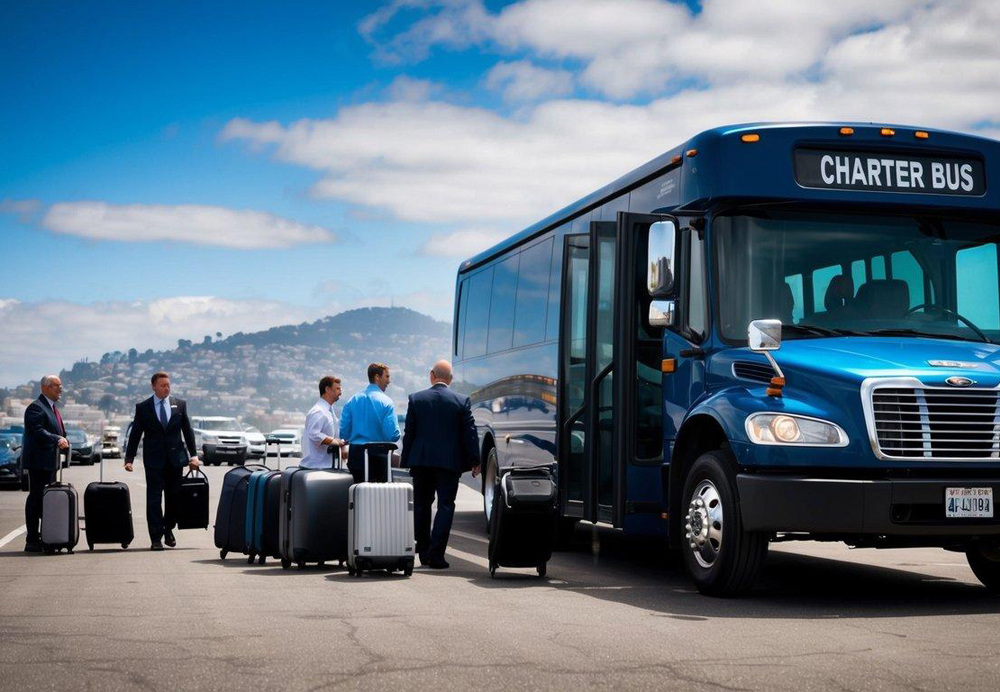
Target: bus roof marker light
<point>750,138</point>
<point>676,159</point>
<point>888,132</point>
<point>691,153</point>
<point>847,131</point>
<point>920,134</point>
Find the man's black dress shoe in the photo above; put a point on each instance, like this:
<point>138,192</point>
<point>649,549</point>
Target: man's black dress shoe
<point>439,563</point>
<point>424,560</point>
<point>168,538</point>
<point>36,547</point>
<point>156,546</point>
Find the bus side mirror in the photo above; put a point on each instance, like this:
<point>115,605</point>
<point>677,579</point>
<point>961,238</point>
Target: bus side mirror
<point>661,255</point>
<point>661,313</point>
<point>764,335</point>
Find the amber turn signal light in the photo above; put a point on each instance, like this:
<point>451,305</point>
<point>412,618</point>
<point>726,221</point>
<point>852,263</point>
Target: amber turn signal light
<point>750,138</point>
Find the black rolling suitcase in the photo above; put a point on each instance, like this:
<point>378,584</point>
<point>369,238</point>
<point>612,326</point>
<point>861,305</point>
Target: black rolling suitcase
<point>191,511</point>
<point>523,519</point>
<point>107,512</point>
<point>231,514</point>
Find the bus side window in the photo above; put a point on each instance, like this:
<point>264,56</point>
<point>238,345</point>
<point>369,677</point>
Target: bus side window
<point>502,307</point>
<point>478,315</point>
<point>821,279</point>
<point>463,310</point>
<point>859,273</point>
<point>905,267</point>
<point>798,297</point>
<point>532,294</point>
<point>976,268</point>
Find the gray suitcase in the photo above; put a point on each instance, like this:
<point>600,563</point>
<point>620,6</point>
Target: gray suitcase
<point>60,513</point>
<point>313,521</point>
<point>380,523</point>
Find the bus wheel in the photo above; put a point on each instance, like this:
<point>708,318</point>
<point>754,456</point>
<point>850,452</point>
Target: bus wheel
<point>490,482</point>
<point>984,559</point>
<point>721,557</point>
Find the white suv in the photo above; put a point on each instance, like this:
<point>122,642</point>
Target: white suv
<point>256,445</point>
<point>219,439</point>
<point>291,441</point>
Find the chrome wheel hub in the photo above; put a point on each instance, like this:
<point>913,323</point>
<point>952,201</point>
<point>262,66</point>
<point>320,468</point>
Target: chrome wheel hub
<point>703,523</point>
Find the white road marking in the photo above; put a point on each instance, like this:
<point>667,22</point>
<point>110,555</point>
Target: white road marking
<point>12,535</point>
<point>471,536</point>
<point>469,557</point>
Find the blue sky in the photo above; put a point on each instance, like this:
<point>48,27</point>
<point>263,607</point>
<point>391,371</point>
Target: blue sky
<point>170,170</point>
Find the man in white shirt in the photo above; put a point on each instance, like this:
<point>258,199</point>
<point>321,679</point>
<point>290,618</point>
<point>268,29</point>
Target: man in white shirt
<point>322,427</point>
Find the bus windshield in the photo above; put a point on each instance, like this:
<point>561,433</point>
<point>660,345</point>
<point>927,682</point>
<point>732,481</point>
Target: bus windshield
<point>833,275</point>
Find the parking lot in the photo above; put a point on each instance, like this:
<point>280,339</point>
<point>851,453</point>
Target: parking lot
<point>613,613</point>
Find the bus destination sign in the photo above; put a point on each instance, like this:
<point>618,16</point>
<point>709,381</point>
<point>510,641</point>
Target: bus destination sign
<point>884,172</point>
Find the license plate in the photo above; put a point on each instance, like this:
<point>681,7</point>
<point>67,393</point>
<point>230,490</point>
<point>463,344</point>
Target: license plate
<point>968,503</point>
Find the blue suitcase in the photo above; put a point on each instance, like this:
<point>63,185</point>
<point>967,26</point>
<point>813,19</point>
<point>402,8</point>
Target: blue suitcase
<point>263,507</point>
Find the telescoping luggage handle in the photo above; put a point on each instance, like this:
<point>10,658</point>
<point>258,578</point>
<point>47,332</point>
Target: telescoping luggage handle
<point>337,452</point>
<point>272,440</point>
<point>386,447</point>
<point>69,458</point>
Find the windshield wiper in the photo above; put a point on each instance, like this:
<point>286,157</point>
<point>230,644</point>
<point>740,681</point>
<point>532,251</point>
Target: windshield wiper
<point>906,331</point>
<point>816,331</point>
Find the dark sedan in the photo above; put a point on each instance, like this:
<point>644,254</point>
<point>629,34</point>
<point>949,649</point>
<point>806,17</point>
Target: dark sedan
<point>11,472</point>
<point>84,451</point>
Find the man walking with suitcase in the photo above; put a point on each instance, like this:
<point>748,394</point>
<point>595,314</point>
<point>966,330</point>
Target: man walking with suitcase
<point>440,444</point>
<point>369,416</point>
<point>168,445</point>
<point>44,437</point>
<point>322,427</point>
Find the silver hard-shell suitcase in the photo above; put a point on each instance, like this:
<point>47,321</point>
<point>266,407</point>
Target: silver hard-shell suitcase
<point>60,513</point>
<point>380,522</point>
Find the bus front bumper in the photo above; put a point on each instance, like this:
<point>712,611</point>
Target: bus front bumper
<point>911,507</point>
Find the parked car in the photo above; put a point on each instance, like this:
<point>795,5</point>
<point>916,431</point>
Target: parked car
<point>110,447</point>
<point>219,439</point>
<point>11,472</point>
<point>84,448</point>
<point>291,441</point>
<point>256,446</point>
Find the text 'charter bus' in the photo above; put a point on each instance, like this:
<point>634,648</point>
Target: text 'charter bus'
<point>772,332</point>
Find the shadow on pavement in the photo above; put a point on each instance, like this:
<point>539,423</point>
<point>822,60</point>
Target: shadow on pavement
<point>605,564</point>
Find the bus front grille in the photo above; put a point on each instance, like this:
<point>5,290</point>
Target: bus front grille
<point>924,423</point>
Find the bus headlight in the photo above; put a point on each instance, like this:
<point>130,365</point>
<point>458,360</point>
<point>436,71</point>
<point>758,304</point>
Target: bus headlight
<point>787,429</point>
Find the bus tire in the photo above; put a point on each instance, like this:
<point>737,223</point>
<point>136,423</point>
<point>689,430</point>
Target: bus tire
<point>985,563</point>
<point>491,480</point>
<point>722,558</point>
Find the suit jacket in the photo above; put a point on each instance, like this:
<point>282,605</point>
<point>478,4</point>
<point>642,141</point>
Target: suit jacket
<point>440,431</point>
<point>41,436</point>
<point>172,445</point>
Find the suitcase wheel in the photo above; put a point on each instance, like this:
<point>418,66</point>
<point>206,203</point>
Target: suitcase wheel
<point>408,571</point>
<point>251,559</point>
<point>541,569</point>
<point>90,546</point>
<point>262,559</point>
<point>493,571</point>
<point>124,546</point>
<point>302,565</point>
<point>223,553</point>
<point>285,564</point>
<point>69,551</point>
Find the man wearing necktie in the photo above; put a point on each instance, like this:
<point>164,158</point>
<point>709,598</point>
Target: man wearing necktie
<point>162,422</point>
<point>44,436</point>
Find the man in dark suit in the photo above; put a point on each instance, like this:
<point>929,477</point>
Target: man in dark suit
<point>440,443</point>
<point>168,445</point>
<point>44,437</point>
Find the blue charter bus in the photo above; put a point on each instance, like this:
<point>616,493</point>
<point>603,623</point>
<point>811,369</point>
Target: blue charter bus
<point>771,332</point>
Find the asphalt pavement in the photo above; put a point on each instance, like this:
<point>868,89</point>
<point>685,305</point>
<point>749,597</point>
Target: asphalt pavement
<point>613,613</point>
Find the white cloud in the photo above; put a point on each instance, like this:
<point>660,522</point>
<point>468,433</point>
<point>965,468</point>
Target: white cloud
<point>462,243</point>
<point>405,88</point>
<point>40,337</point>
<point>524,81</point>
<point>185,223</point>
<point>459,167</point>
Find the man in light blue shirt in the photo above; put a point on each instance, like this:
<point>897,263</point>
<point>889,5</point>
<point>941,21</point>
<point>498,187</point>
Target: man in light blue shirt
<point>369,416</point>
